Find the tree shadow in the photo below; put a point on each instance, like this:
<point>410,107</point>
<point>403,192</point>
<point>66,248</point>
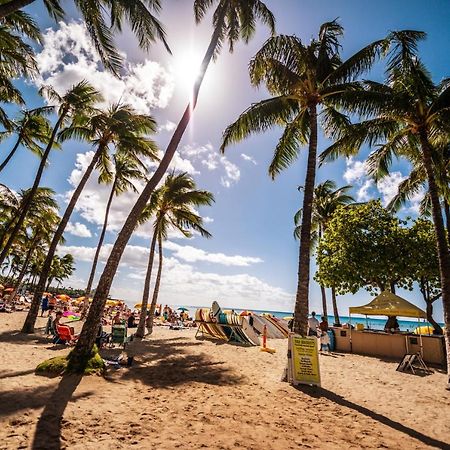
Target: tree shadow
<point>164,364</point>
<point>48,429</point>
<point>338,399</point>
<point>6,374</point>
<point>17,337</point>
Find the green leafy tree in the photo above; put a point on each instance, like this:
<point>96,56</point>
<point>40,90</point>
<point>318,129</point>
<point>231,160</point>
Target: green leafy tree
<point>173,206</point>
<point>306,81</point>
<point>232,20</point>
<point>406,115</point>
<point>364,247</point>
<point>119,126</point>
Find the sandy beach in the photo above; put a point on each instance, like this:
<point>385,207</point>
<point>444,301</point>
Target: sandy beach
<point>188,393</point>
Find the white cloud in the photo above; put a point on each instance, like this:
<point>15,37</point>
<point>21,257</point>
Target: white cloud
<point>388,186</point>
<point>362,194</point>
<point>68,57</point>
<point>356,170</point>
<point>168,126</point>
<point>192,254</point>
<point>78,229</point>
<point>207,219</point>
<point>248,158</point>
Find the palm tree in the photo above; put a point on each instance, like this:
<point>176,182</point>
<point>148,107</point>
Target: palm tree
<point>125,171</point>
<point>406,114</point>
<point>137,13</point>
<point>76,101</point>
<point>327,197</point>
<point>173,207</point>
<point>305,81</point>
<point>232,19</point>
<point>61,268</point>
<point>120,126</point>
<point>16,56</point>
<point>30,128</point>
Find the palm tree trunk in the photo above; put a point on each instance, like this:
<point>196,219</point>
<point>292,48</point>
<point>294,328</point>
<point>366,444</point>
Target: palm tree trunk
<point>28,326</point>
<point>47,287</point>
<point>442,246</point>
<point>337,320</point>
<point>447,219</point>
<point>82,350</point>
<point>100,241</point>
<point>25,266</point>
<point>302,300</point>
<point>11,153</point>
<point>156,290</point>
<point>322,288</point>
<point>146,293</point>
<point>13,6</point>
<point>26,206</point>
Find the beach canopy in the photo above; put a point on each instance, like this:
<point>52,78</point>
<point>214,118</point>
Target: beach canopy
<point>389,304</point>
<point>182,309</point>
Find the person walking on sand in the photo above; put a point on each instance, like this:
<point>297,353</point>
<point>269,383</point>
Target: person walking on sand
<point>313,324</point>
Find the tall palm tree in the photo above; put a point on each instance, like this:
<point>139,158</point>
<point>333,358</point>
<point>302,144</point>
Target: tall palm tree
<point>408,113</point>
<point>173,206</point>
<point>125,171</point>
<point>305,81</point>
<point>120,126</point>
<point>139,15</point>
<point>232,19</point>
<point>31,127</point>
<point>327,198</point>
<point>76,101</point>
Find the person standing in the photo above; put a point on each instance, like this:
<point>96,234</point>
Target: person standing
<point>313,325</point>
<point>44,305</point>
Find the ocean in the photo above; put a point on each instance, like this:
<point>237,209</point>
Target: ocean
<point>371,322</point>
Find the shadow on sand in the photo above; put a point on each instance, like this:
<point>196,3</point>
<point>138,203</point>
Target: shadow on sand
<point>48,429</point>
<point>17,337</point>
<point>168,362</point>
<point>338,399</point>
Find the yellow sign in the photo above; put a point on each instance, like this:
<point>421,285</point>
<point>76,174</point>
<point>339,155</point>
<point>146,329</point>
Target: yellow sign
<point>303,360</point>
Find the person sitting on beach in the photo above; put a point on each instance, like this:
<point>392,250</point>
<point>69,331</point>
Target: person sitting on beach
<point>131,321</point>
<point>392,325</point>
<point>313,324</point>
<point>116,319</point>
<point>57,320</point>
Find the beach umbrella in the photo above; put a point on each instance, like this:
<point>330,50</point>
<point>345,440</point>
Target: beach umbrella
<point>245,313</point>
<point>9,289</point>
<point>288,318</point>
<point>182,309</point>
<point>63,297</point>
<point>138,306</point>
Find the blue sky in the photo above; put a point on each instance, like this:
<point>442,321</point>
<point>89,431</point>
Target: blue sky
<point>251,261</point>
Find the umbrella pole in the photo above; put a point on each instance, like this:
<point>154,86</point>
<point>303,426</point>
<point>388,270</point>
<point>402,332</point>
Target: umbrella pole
<point>350,331</point>
<point>367,322</point>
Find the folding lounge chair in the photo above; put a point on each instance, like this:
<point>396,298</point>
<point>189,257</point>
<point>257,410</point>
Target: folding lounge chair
<point>65,334</point>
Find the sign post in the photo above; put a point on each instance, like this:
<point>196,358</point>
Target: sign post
<point>303,360</point>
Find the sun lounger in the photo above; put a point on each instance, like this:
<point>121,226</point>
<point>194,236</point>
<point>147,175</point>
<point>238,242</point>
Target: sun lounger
<point>65,334</point>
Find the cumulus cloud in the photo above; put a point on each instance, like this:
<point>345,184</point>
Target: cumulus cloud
<point>355,171</point>
<point>78,229</point>
<point>388,186</point>
<point>68,57</point>
<point>168,126</point>
<point>248,158</point>
<point>192,254</point>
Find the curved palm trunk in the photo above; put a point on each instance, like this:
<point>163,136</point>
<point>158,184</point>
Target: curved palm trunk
<point>11,153</point>
<point>302,301</point>
<point>146,293</point>
<point>430,319</point>
<point>28,326</point>
<point>26,206</point>
<point>12,6</point>
<point>24,267</point>
<point>442,246</point>
<point>337,320</point>
<point>156,290</point>
<point>100,241</point>
<point>82,350</point>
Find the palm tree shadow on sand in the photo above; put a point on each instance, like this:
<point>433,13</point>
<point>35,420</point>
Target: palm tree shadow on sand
<point>48,429</point>
<point>338,399</point>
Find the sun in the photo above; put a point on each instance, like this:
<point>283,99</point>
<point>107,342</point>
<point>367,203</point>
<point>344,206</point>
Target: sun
<point>186,68</point>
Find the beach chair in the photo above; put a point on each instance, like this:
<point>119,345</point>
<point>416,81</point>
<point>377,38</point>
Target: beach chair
<point>65,334</point>
<point>413,362</point>
<point>119,335</point>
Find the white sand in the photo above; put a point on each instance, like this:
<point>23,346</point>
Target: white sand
<point>188,394</point>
